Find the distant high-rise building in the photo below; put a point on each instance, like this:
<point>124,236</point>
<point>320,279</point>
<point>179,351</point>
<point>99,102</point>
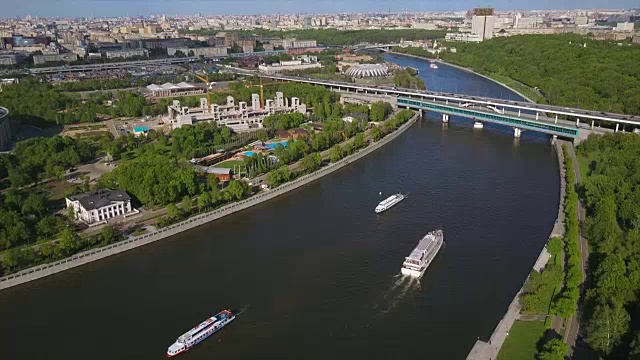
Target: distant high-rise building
<point>482,23</point>
<point>307,22</point>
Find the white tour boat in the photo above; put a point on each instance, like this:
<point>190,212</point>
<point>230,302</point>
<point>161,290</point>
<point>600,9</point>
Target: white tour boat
<point>389,202</point>
<point>417,262</point>
<point>194,336</point>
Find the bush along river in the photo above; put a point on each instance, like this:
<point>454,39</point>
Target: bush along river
<point>316,271</point>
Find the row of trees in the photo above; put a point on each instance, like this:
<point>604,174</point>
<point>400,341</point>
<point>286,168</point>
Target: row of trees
<point>340,37</point>
<point>541,287</point>
<point>413,50</point>
<point>611,192</point>
<point>283,121</point>
<point>67,244</point>
<point>570,70</point>
<point>566,303</point>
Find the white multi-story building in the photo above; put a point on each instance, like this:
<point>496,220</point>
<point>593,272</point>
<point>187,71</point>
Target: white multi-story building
<point>482,26</point>
<point>199,51</point>
<point>112,54</point>
<point>98,206</point>
<point>238,117</point>
<point>465,37</point>
<point>624,26</point>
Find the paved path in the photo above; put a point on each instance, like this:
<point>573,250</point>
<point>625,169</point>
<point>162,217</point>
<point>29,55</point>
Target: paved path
<point>573,323</point>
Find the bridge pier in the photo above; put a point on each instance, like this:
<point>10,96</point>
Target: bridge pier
<point>617,126</point>
<point>445,118</point>
<point>517,132</point>
<point>592,123</point>
<point>519,112</point>
<point>420,112</point>
<point>577,122</point>
<point>537,115</point>
<point>556,119</point>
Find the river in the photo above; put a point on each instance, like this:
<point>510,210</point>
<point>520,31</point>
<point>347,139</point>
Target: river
<point>315,272</point>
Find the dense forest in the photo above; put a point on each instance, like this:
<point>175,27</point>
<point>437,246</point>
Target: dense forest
<point>611,191</point>
<point>341,37</point>
<point>569,70</point>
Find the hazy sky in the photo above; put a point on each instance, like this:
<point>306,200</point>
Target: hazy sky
<point>77,8</point>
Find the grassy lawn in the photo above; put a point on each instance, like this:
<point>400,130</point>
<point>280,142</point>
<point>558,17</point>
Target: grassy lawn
<point>583,164</point>
<point>522,340</point>
<point>520,87</point>
<point>230,163</point>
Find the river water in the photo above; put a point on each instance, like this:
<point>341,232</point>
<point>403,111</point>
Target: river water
<point>315,272</point>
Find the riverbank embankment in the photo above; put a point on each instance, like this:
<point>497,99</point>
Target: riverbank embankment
<point>466,70</point>
<point>483,350</point>
<point>88,256</point>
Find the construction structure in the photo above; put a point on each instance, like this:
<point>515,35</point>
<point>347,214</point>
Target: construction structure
<point>239,117</point>
<point>170,89</point>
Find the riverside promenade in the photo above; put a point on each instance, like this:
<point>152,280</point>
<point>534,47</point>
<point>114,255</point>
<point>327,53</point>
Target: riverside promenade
<point>88,256</point>
<point>483,350</point>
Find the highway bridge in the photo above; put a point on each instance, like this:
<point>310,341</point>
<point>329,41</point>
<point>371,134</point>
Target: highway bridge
<point>521,115</point>
<point>108,66</point>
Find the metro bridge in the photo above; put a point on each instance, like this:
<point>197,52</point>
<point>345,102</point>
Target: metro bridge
<point>520,115</point>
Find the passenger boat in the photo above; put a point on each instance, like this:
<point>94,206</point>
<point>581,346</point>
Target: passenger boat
<point>194,336</point>
<point>433,66</point>
<point>417,262</point>
<point>389,202</point>
<point>478,125</point>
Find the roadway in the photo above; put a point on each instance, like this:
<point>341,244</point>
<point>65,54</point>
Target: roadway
<point>113,65</point>
<point>512,105</point>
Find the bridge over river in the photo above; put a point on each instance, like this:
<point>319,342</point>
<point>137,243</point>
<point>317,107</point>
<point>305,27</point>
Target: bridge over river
<point>559,121</point>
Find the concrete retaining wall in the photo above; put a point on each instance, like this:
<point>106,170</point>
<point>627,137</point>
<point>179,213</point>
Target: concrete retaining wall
<point>88,256</point>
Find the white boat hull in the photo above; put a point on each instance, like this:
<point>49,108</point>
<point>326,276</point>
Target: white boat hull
<point>478,125</point>
<point>417,273</point>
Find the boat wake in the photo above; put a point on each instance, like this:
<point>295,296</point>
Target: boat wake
<point>400,287</point>
<point>241,311</point>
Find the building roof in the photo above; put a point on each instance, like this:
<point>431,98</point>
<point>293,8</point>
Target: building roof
<point>100,198</point>
<point>367,70</point>
<point>298,131</point>
<point>218,170</point>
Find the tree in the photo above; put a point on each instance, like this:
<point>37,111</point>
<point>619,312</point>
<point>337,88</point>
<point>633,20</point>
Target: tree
<point>71,213</point>
<point>336,153</point>
<point>554,349</point>
<point>279,176</point>
<point>107,234</point>
<point>204,201</point>
<point>10,260</point>
<point>187,204</point>
<point>606,327</point>
<point>310,163</point>
<point>375,133</point>
<point>173,212</point>
<point>69,242</point>
<point>236,190</point>
<point>48,226</point>
<point>34,205</point>
<point>212,182</point>
<point>379,110</point>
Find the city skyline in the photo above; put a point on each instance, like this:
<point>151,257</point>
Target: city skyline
<point>114,8</point>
